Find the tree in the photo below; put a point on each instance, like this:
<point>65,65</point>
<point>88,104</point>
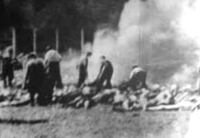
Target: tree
<point>66,17</point>
<point>36,19</point>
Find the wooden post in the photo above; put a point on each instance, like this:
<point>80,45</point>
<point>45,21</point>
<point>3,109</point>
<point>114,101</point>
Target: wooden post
<point>140,43</point>
<point>57,39</point>
<point>141,58</point>
<point>35,40</point>
<point>14,41</point>
<point>82,39</point>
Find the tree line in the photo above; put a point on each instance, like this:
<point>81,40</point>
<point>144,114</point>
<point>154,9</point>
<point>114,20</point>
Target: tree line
<point>64,17</point>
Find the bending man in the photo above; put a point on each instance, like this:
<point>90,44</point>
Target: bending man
<point>105,74</point>
<point>137,79</point>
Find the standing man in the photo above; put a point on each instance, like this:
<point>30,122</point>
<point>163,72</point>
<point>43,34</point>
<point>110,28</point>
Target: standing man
<point>83,69</point>
<point>53,75</point>
<point>8,67</point>
<point>34,77</point>
<point>105,74</point>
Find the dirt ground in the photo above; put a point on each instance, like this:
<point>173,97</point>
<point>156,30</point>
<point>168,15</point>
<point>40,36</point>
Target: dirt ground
<point>98,122</point>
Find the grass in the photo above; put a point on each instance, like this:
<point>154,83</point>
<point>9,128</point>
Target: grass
<point>99,122</point>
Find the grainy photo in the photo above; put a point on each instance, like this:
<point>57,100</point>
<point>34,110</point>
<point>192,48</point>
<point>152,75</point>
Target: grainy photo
<point>99,69</point>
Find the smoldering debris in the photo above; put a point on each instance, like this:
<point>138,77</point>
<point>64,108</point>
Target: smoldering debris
<point>156,97</point>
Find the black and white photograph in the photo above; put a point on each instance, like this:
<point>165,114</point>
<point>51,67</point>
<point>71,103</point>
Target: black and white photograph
<point>99,68</point>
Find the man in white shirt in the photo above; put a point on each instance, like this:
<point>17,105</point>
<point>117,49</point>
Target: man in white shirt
<point>137,78</point>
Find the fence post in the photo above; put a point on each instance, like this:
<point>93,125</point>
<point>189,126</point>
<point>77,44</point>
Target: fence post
<point>82,40</point>
<point>57,39</point>
<point>14,41</point>
<point>35,40</point>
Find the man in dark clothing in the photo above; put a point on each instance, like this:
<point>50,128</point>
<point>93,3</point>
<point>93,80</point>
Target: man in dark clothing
<point>34,77</point>
<point>137,79</point>
<point>52,75</point>
<point>7,68</point>
<point>105,74</point>
<point>83,73</point>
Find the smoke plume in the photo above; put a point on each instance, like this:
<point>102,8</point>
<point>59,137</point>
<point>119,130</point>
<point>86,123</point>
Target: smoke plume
<point>161,36</point>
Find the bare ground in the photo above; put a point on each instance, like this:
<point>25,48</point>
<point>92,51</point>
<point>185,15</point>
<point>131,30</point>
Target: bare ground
<point>99,122</point>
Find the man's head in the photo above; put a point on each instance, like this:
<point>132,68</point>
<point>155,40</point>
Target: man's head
<point>48,48</point>
<point>10,52</point>
<point>32,56</point>
<point>102,59</point>
<point>134,66</point>
<point>88,54</point>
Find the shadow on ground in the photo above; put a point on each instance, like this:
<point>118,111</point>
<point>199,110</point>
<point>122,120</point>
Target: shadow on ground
<point>21,121</point>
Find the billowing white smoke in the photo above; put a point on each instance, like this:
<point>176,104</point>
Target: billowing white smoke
<point>155,35</point>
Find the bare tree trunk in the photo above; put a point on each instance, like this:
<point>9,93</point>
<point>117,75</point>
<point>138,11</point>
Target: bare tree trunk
<point>57,39</point>
<point>14,41</point>
<point>82,40</point>
<point>35,40</point>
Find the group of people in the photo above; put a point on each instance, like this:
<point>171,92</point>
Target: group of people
<point>136,80</point>
<point>103,80</point>
<point>43,75</point>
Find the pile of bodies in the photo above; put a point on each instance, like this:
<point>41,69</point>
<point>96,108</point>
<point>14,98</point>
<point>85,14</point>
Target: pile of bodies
<point>155,98</point>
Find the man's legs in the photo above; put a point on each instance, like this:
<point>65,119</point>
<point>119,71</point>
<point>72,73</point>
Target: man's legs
<point>141,77</point>
<point>144,80</point>
<point>49,97</point>
<point>32,96</point>
<point>46,93</point>
<point>58,77</point>
<point>10,78</point>
<point>5,81</point>
<point>108,79</point>
<point>81,79</point>
<point>108,84</point>
<point>100,82</point>
<point>41,98</point>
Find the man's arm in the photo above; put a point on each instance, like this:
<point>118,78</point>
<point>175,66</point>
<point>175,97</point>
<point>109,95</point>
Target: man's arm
<point>102,70</point>
<point>86,67</point>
